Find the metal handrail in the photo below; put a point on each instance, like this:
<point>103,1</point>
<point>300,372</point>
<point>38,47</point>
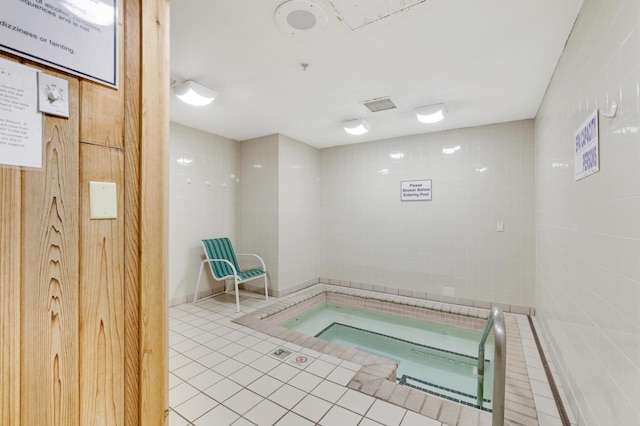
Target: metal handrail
<point>495,322</point>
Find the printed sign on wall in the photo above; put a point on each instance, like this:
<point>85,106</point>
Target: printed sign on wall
<point>20,121</point>
<point>74,36</point>
<point>586,148</point>
<point>415,190</point>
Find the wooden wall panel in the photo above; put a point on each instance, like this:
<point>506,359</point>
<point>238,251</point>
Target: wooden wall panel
<point>154,128</point>
<point>131,87</point>
<point>102,115</point>
<point>101,293</point>
<point>83,335</point>
<point>10,226</point>
<point>49,373</point>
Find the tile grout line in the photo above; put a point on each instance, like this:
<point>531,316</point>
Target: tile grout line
<point>547,370</point>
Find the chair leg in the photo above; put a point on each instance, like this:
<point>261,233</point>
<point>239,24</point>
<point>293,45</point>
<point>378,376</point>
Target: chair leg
<point>195,296</point>
<point>237,295</point>
<point>266,288</point>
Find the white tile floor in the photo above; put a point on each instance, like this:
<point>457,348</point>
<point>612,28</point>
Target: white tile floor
<point>222,373</point>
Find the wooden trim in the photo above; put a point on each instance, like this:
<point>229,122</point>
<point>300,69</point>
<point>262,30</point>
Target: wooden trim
<point>154,126</point>
<point>130,85</point>
<point>10,226</point>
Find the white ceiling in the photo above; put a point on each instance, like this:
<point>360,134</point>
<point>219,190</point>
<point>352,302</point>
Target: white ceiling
<point>489,61</point>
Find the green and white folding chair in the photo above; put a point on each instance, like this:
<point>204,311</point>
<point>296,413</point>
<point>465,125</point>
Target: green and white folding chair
<point>223,265</point>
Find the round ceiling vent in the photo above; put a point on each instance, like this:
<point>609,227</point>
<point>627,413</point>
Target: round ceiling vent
<point>301,16</point>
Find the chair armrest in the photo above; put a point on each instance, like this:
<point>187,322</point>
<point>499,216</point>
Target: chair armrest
<point>233,268</point>
<point>264,268</point>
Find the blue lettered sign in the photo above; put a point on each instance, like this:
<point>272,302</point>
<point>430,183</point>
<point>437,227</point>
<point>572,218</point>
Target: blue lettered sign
<point>587,154</point>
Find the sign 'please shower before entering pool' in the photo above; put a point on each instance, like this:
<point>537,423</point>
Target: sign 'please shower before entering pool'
<point>415,190</point>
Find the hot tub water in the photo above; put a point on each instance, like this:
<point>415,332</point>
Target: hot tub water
<point>435,358</point>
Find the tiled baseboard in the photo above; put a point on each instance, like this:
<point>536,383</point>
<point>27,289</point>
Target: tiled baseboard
<point>189,298</point>
<point>515,309</point>
<point>254,289</point>
<point>293,289</point>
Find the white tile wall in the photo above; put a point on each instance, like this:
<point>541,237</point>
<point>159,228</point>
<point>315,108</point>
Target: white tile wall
<point>203,189</point>
<point>299,214</point>
<point>588,232</point>
<point>262,193</point>
<point>279,213</point>
<point>445,247</point>
<point>259,201</point>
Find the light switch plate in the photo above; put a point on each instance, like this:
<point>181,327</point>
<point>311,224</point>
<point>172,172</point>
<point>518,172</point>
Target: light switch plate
<point>500,227</point>
<point>102,200</point>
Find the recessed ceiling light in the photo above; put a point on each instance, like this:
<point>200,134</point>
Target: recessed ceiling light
<point>193,93</point>
<point>430,114</point>
<point>357,127</point>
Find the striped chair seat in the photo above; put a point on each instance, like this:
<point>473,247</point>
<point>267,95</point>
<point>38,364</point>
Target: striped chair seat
<point>251,273</point>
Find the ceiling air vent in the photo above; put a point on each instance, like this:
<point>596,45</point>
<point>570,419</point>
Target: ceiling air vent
<point>380,104</point>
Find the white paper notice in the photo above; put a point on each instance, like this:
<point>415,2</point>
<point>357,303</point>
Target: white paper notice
<point>75,36</point>
<point>20,121</point>
<point>415,190</point>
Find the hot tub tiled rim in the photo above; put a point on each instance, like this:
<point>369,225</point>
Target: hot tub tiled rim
<point>460,317</point>
<point>376,376</point>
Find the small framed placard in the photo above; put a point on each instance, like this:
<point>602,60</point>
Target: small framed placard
<point>415,190</point>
